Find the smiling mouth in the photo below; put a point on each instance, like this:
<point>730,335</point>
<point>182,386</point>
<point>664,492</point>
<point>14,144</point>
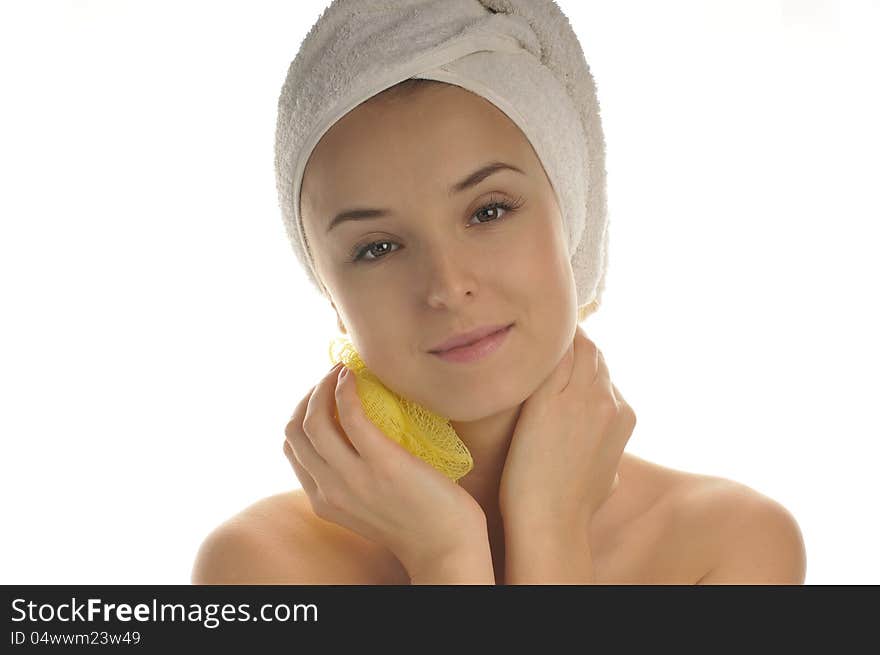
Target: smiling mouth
<point>476,350</point>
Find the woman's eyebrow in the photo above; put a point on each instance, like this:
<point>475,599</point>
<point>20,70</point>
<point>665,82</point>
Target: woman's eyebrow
<point>470,181</point>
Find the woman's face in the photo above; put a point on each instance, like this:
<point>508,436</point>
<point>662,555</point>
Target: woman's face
<point>438,262</point>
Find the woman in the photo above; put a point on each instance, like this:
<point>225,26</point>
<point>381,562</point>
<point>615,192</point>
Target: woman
<point>463,229</point>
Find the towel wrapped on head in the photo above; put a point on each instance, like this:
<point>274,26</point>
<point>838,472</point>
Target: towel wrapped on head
<point>520,55</point>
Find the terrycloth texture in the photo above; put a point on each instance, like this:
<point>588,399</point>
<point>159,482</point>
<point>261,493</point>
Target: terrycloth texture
<point>521,55</point>
<point>419,430</point>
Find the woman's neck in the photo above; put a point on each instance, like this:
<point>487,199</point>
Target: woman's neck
<point>488,441</point>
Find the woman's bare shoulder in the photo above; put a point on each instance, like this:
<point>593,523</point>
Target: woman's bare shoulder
<point>669,526</point>
<point>685,492</point>
<point>694,501</point>
<point>279,540</point>
<point>738,534</point>
<point>757,540</point>
<point>712,501</point>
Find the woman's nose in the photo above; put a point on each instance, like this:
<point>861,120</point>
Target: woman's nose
<point>449,278</point>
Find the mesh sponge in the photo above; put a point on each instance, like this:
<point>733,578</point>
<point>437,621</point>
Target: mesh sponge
<point>422,432</point>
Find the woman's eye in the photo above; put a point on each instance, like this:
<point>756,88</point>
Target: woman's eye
<point>494,206</point>
<point>369,249</point>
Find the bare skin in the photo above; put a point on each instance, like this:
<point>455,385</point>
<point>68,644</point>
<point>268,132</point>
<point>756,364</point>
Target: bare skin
<point>650,531</point>
<point>447,273</point>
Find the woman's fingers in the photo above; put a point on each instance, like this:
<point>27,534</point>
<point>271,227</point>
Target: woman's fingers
<point>618,397</point>
<point>585,363</point>
<point>602,387</point>
<point>590,375</point>
<point>324,433</point>
<point>304,452</point>
<point>302,445</point>
<point>626,411</point>
<point>293,437</point>
<point>305,479</point>
<point>362,434</point>
<point>602,393</point>
<point>298,414</point>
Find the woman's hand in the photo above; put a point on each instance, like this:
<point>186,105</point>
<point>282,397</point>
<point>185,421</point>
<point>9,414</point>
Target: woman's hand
<point>359,478</point>
<point>567,443</point>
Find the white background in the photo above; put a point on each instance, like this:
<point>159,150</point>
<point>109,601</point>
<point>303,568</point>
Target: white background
<point>157,330</point>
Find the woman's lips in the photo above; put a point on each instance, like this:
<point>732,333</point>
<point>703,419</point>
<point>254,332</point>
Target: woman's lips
<point>477,350</point>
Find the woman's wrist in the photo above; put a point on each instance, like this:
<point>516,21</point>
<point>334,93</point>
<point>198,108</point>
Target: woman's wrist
<point>470,567</point>
<point>548,553</point>
<point>524,521</point>
<point>468,563</point>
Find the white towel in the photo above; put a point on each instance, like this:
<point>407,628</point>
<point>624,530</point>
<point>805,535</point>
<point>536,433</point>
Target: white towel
<point>521,55</point>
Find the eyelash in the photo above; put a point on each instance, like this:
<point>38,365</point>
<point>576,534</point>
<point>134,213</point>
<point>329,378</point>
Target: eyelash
<point>359,251</point>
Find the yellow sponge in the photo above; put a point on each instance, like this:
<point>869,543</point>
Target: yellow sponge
<point>422,432</point>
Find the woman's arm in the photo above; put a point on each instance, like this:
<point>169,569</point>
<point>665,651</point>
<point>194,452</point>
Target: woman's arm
<point>242,552</point>
<point>540,556</point>
<point>468,567</point>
